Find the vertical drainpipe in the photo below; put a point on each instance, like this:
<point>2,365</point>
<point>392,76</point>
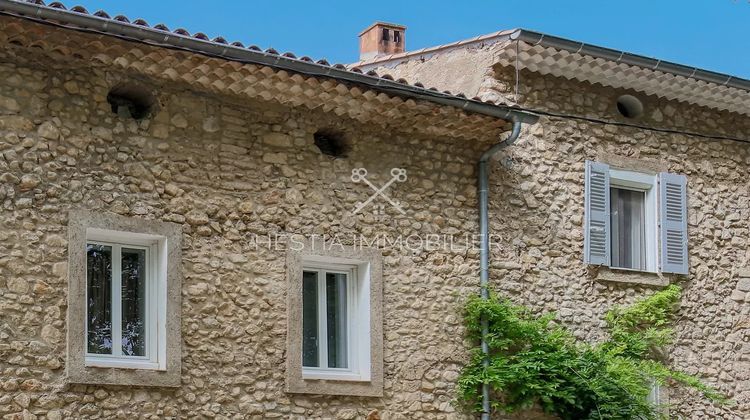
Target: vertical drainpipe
<point>484,257</point>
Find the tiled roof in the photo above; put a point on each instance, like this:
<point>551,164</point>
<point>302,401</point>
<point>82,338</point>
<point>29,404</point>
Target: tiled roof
<point>547,54</point>
<point>274,58</point>
<point>683,86</point>
<point>65,47</point>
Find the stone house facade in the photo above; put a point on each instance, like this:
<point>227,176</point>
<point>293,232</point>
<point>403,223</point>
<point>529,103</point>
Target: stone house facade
<point>695,127</point>
<point>165,180</point>
<point>150,196</point>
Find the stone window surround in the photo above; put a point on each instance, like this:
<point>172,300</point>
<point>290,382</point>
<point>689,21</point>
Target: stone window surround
<point>79,222</point>
<point>629,276</point>
<point>305,251</point>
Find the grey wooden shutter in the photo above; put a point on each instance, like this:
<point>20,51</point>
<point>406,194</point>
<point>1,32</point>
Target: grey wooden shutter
<point>673,237</point>
<point>596,244</point>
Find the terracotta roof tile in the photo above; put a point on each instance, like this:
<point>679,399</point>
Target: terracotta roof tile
<point>382,89</point>
<point>220,40</point>
<point>550,55</point>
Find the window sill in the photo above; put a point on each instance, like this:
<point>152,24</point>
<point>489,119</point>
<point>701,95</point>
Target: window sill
<point>109,362</point>
<point>331,375</point>
<point>634,277</point>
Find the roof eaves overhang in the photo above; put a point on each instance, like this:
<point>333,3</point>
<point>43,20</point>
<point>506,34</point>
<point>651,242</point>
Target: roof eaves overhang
<point>128,31</point>
<point>561,44</point>
<point>538,38</point>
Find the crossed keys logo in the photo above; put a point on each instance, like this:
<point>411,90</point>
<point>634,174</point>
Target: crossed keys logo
<point>360,175</point>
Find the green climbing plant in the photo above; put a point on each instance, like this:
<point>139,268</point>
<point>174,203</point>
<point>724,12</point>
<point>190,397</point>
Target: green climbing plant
<point>533,360</point>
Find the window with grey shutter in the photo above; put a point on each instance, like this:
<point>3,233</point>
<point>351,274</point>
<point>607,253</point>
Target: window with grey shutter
<point>596,248</point>
<point>673,223</point>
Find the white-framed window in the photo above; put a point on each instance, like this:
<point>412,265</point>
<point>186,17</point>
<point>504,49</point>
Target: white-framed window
<point>335,321</point>
<point>658,398</point>
<point>634,220</point>
<point>654,396</point>
<point>125,300</point>
<point>633,212</point>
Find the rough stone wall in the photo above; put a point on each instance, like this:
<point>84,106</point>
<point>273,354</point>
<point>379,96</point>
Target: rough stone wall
<point>468,70</point>
<point>224,171</point>
<point>537,208</point>
<point>464,70</point>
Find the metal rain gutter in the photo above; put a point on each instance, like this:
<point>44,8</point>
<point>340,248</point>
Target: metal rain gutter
<point>156,37</point>
<point>484,250</point>
<point>538,38</point>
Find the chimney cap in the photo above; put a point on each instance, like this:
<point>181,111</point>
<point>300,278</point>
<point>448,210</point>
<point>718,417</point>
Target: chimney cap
<point>383,24</point>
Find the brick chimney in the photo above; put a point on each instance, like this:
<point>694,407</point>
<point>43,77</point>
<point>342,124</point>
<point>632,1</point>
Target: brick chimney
<point>381,38</point>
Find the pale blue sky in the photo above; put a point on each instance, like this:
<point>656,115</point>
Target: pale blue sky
<point>711,34</point>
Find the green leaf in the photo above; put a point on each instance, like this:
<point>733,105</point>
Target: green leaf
<point>533,360</point>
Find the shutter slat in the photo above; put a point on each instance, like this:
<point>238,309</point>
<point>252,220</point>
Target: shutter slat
<point>673,256</point>
<point>596,248</point>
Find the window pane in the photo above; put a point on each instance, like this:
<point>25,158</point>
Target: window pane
<point>310,319</point>
<point>133,302</point>
<point>336,320</point>
<point>627,214</point>
<point>99,295</point>
<point>654,396</point>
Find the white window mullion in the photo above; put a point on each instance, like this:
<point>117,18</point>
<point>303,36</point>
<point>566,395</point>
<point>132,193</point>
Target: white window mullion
<point>351,319</point>
<point>159,281</point>
<point>117,300</point>
<point>152,348</point>
<point>343,319</point>
<point>651,230</point>
<point>322,316</point>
